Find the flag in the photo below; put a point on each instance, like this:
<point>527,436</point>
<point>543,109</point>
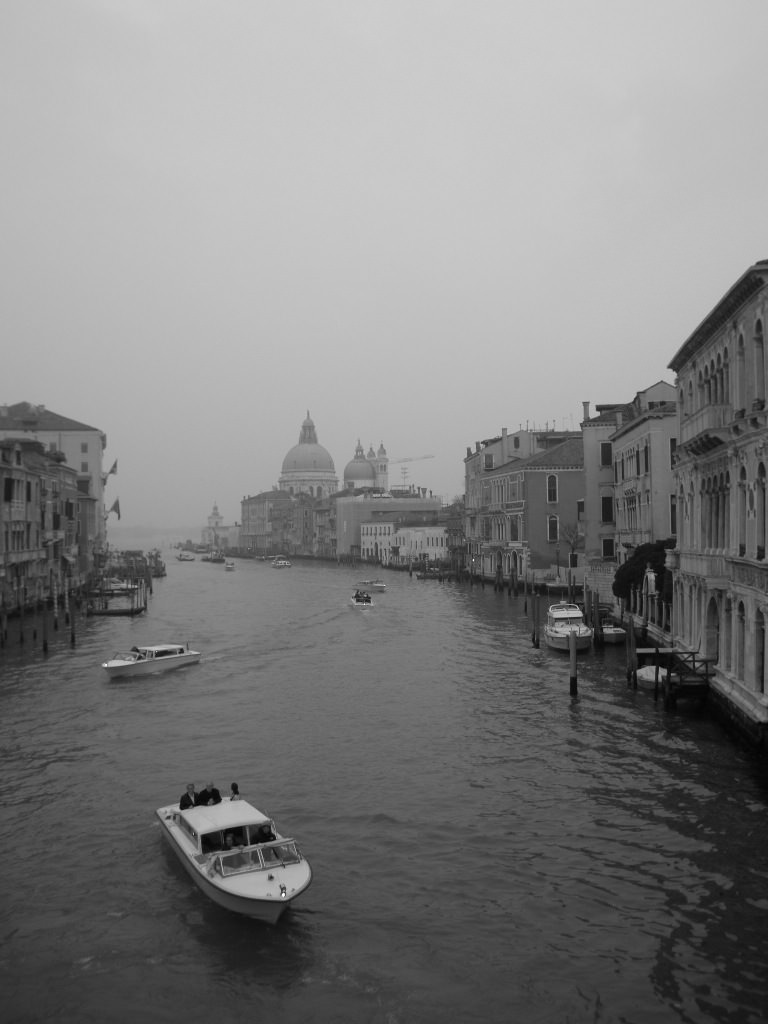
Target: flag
<point>114,468</point>
<point>116,507</point>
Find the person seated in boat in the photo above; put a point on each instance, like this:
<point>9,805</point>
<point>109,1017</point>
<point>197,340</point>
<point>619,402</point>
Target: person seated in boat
<point>265,833</point>
<point>189,798</point>
<point>234,792</point>
<point>209,796</point>
<point>233,845</point>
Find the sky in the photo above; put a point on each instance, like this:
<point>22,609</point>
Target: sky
<point>419,220</point>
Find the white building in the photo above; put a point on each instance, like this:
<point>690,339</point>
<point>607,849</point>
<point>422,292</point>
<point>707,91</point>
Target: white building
<point>720,573</point>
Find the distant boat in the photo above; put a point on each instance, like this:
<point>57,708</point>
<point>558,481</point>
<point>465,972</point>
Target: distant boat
<point>185,556</point>
<point>281,562</point>
<point>361,599</point>
<point>229,566</point>
<point>378,585</point>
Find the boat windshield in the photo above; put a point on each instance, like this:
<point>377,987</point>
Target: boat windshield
<point>283,851</point>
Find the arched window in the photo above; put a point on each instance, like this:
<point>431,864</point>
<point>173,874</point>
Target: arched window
<point>553,532</point>
<point>741,384</point>
<point>760,512</point>
<point>742,524</point>
<point>759,350</point>
<point>552,488</point>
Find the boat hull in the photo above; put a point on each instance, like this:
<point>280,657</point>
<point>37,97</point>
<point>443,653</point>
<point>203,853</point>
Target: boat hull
<point>561,640</point>
<point>120,669</point>
<point>614,635</point>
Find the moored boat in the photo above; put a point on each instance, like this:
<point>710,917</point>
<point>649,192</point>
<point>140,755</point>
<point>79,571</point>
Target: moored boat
<point>378,585</point>
<point>563,620</point>
<point>142,661</point>
<point>235,855</point>
<point>613,634</point>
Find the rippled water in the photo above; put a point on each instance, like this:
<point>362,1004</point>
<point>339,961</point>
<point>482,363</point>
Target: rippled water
<point>485,848</point>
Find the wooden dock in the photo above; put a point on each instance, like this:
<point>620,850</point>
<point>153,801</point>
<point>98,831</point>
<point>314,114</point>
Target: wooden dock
<point>680,673</point>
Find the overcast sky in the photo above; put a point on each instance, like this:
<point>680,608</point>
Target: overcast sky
<point>420,221</point>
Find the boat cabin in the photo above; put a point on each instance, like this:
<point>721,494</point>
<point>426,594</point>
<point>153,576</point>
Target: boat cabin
<point>565,614</point>
<point>236,845</point>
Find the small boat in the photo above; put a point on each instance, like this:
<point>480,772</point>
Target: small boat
<point>280,563</point>
<point>564,619</point>
<point>229,566</point>
<point>361,599</point>
<point>142,661</point>
<point>613,634</point>
<point>378,585</point>
<point>185,556</point>
<point>234,853</point>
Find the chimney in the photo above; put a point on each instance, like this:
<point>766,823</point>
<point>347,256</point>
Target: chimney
<point>586,411</point>
<point>503,445</point>
<point>477,446</point>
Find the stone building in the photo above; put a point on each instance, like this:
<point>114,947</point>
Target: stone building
<point>720,573</point>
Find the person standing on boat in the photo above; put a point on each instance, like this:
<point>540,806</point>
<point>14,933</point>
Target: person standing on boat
<point>189,799</point>
<point>234,791</point>
<point>209,796</point>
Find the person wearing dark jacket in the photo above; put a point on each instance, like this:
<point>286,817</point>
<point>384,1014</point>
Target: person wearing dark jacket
<point>189,799</point>
<point>208,796</point>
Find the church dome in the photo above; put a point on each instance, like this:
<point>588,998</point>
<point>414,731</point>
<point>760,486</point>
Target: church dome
<point>308,456</point>
<point>359,472</point>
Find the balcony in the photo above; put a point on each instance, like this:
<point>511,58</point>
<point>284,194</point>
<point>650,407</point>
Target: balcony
<point>710,420</point>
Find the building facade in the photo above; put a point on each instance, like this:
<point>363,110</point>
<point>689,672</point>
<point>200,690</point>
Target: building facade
<point>81,446</point>
<point>720,573</point>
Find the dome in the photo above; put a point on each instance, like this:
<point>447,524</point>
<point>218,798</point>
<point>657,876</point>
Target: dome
<point>359,472</point>
<point>308,456</point>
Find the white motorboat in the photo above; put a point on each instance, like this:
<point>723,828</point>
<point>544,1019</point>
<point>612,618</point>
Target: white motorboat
<point>378,585</point>
<point>234,853</point>
<point>141,661</point>
<point>564,619</point>
<point>185,556</point>
<point>229,566</point>
<point>361,599</point>
<point>281,563</point>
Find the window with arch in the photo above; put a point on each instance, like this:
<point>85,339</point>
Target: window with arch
<point>759,352</point>
<point>553,528</point>
<point>760,512</point>
<point>551,488</point>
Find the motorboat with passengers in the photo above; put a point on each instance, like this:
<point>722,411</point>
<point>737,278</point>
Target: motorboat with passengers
<point>234,853</point>
<point>361,599</point>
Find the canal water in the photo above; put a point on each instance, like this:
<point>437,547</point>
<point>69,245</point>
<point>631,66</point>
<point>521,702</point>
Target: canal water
<point>485,847</point>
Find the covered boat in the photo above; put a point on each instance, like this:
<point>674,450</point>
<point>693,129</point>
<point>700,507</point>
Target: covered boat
<point>564,619</point>
<point>142,661</point>
<point>234,853</point>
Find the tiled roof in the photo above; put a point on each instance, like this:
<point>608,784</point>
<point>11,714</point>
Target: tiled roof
<point>26,416</point>
<point>568,455</point>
